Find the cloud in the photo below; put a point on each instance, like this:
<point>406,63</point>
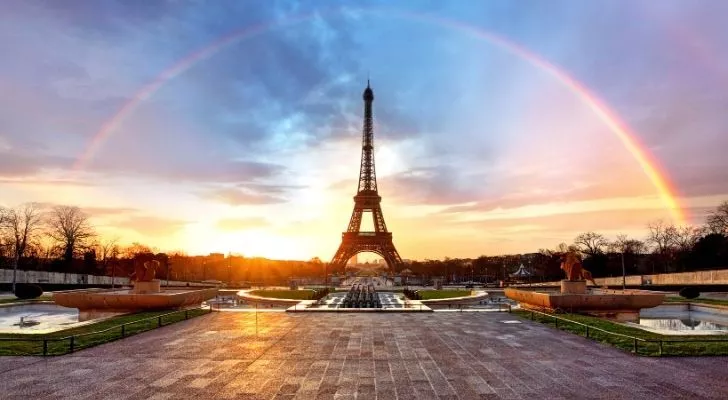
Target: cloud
<point>561,223</point>
<point>432,185</point>
<point>240,197</point>
<point>461,125</point>
<point>152,226</point>
<point>239,224</point>
<point>110,211</point>
<point>16,164</point>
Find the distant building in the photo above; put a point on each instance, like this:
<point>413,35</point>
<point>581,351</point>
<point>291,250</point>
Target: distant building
<point>216,256</point>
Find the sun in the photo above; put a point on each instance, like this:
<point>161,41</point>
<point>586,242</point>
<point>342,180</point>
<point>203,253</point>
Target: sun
<point>249,243</point>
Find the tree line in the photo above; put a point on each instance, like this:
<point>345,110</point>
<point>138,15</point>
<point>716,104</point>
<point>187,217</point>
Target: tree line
<point>666,248</point>
<point>62,239</point>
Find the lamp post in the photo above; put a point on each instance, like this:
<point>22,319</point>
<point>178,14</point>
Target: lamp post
<point>112,275</point>
<point>624,273</point>
<point>504,274</point>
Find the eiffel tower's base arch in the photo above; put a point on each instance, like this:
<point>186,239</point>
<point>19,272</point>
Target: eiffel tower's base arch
<point>353,243</point>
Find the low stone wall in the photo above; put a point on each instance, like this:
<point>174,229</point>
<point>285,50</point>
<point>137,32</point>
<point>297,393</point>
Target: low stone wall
<point>711,277</point>
<point>62,278</point>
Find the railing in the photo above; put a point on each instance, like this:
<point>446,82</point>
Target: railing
<point>637,343</point>
<point>502,307</point>
<point>69,344</point>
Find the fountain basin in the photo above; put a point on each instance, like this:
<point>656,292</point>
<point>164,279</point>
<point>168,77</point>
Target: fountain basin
<point>684,319</point>
<point>98,303</point>
<point>622,305</point>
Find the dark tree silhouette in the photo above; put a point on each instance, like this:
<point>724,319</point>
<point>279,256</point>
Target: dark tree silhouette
<point>70,228</point>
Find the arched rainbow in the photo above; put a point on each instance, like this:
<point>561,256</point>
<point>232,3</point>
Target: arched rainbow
<point>648,164</point>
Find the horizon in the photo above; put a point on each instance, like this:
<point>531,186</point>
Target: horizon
<point>497,131</point>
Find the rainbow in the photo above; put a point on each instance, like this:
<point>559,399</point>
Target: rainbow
<point>649,165</point>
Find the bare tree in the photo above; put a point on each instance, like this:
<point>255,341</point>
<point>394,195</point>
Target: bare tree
<point>661,235</point>
<point>562,248</point>
<point>718,220</point>
<point>69,227</point>
<point>684,237</point>
<point>135,249</point>
<point>108,249</point>
<point>591,243</point>
<point>21,224</point>
<point>624,245</point>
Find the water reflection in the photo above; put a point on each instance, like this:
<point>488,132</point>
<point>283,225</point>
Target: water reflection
<point>682,324</point>
<point>681,319</point>
<point>36,318</point>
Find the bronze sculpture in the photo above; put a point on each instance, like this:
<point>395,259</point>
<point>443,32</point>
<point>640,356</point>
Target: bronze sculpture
<point>145,271</point>
<point>571,264</point>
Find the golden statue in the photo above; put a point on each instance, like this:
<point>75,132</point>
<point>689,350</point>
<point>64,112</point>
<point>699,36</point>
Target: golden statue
<point>571,264</point>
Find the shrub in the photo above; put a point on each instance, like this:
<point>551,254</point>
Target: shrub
<point>689,292</point>
<point>27,291</point>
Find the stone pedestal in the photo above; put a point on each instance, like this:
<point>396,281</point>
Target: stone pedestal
<point>573,287</point>
<point>155,286</point>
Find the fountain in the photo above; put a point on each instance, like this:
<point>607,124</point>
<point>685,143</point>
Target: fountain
<point>621,305</point>
<point>360,296</point>
<point>146,294</point>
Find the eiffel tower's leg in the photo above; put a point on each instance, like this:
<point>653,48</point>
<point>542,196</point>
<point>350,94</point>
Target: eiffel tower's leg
<point>355,221</point>
<point>343,254</point>
<point>379,225</point>
<point>391,256</point>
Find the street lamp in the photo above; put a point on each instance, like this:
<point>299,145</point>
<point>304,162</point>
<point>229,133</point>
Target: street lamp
<point>624,273</point>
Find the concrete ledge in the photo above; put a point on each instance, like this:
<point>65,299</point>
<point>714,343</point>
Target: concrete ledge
<point>473,298</point>
<point>595,301</point>
<point>269,301</point>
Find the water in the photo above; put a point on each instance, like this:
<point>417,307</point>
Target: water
<point>386,299</point>
<point>38,318</point>
<point>681,320</point>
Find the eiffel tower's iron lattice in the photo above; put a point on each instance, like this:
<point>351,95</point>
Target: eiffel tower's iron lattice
<point>367,199</point>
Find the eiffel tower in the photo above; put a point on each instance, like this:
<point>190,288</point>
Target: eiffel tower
<point>367,199</point>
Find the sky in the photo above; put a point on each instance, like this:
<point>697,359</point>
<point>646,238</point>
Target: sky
<point>235,126</point>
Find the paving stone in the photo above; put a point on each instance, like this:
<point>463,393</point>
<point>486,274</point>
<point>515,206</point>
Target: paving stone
<point>382,356</point>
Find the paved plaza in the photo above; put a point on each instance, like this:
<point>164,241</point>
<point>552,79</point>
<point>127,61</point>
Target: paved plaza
<point>439,355</point>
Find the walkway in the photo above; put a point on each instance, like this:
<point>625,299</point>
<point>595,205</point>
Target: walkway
<point>387,356</point>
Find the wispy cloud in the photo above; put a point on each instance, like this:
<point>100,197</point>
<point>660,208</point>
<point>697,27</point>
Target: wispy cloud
<point>239,224</point>
<point>152,227</point>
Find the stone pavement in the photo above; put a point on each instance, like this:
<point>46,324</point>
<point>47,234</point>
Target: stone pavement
<point>349,355</point>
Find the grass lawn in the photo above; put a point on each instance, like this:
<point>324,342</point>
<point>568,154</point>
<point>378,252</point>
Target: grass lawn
<point>676,299</point>
<point>442,294</point>
<point>284,294</point>
<point>57,347</point>
<point>43,297</point>
<point>689,345</point>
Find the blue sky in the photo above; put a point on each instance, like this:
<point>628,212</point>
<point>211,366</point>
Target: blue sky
<point>254,148</point>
